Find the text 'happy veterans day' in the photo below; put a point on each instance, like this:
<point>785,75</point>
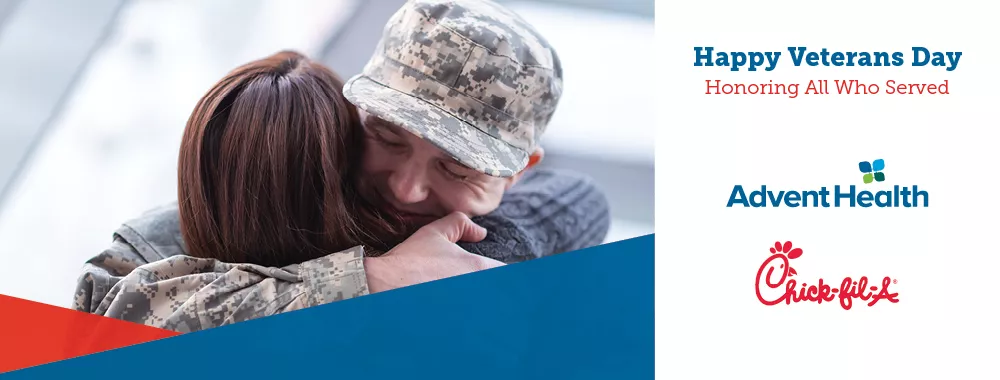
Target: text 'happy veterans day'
<point>800,56</point>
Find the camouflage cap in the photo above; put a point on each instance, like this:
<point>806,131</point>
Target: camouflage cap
<point>469,76</point>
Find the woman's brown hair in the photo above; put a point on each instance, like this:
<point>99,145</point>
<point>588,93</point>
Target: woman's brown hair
<point>266,167</point>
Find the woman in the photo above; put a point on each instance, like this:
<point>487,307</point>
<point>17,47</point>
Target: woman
<point>266,167</point>
<point>268,219</point>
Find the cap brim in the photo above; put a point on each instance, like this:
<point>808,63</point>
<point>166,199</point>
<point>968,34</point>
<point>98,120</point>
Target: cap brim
<point>463,141</point>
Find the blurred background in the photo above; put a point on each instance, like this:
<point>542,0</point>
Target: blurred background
<point>94,96</point>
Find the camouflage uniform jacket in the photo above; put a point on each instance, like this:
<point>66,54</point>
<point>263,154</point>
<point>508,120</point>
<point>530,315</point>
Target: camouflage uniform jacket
<point>147,277</point>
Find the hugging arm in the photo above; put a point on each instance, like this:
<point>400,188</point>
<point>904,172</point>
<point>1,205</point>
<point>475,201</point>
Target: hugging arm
<point>185,294</point>
<point>547,212</point>
<point>147,277</point>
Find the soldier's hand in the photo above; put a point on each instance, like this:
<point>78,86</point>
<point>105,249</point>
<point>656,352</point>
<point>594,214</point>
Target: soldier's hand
<point>429,254</point>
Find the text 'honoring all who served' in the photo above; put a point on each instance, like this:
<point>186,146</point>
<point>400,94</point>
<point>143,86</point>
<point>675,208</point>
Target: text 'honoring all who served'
<point>826,87</point>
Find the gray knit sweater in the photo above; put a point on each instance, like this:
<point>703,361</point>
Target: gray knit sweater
<point>547,212</point>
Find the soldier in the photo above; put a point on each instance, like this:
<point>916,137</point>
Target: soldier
<point>454,102</point>
<point>455,98</point>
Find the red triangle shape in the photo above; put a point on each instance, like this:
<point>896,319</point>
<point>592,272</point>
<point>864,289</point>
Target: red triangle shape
<point>33,333</point>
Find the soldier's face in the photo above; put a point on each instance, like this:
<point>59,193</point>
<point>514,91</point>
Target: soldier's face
<point>421,182</point>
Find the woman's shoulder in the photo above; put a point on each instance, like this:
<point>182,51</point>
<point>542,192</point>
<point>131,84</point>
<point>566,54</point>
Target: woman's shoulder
<point>547,212</point>
<point>547,193</point>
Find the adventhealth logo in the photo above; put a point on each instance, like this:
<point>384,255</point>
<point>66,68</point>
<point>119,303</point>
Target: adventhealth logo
<point>873,170</point>
<point>849,196</point>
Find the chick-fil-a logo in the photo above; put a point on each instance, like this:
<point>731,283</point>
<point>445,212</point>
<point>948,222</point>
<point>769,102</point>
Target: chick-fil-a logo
<point>776,272</point>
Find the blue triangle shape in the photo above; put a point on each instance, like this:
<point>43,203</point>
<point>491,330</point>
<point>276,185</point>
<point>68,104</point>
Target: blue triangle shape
<point>586,314</point>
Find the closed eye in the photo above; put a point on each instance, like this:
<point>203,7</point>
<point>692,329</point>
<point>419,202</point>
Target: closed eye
<point>384,141</point>
<point>451,172</point>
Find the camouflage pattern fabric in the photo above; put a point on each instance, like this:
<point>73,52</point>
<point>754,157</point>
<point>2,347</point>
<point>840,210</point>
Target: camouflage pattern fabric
<point>147,277</point>
<point>152,282</point>
<point>469,76</point>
